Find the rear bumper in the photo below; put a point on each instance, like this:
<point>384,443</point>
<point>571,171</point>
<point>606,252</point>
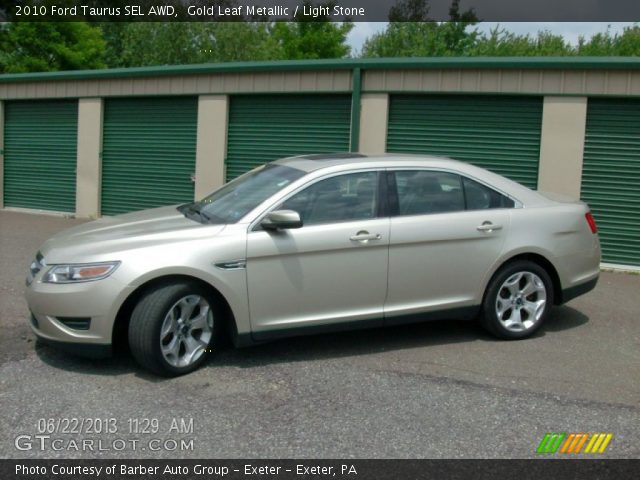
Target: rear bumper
<point>577,290</point>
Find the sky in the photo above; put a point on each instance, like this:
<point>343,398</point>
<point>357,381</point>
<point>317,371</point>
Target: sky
<point>569,30</point>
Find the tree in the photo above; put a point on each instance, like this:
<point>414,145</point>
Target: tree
<point>50,46</point>
<point>628,43</point>
<point>315,37</point>
<point>411,33</point>
<point>410,11</point>
<point>175,43</point>
<point>170,43</point>
<point>113,35</point>
<point>606,44</point>
<point>500,42</point>
<point>311,39</point>
<point>154,43</point>
<point>8,8</point>
<point>240,41</point>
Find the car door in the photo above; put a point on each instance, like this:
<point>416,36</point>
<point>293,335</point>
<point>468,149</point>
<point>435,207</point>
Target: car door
<point>332,269</point>
<point>446,233</point>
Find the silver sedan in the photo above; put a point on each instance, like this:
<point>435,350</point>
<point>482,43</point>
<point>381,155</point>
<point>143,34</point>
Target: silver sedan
<point>311,244</point>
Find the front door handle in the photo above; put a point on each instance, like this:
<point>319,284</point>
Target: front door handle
<point>488,227</point>
<point>363,236</point>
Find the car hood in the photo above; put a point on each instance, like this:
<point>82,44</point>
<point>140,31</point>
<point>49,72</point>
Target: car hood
<point>95,241</point>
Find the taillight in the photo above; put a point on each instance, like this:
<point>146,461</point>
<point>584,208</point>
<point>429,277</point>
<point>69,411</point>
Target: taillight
<point>591,221</point>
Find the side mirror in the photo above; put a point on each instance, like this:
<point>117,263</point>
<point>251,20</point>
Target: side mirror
<point>281,219</point>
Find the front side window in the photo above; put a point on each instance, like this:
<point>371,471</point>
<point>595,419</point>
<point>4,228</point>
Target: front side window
<point>238,197</point>
<point>423,192</point>
<point>337,199</point>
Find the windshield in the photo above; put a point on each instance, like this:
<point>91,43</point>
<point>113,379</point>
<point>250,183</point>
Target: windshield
<point>238,197</point>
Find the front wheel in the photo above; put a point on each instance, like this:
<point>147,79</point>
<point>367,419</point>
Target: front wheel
<point>517,300</point>
<point>172,328</point>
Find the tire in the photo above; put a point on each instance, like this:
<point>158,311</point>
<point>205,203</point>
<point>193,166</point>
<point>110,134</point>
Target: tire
<point>164,342</point>
<point>508,312</point>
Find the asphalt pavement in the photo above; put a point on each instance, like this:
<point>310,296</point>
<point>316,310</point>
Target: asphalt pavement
<point>432,390</point>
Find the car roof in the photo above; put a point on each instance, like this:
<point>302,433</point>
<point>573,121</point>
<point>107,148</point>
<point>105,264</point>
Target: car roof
<point>340,161</point>
<point>309,163</point>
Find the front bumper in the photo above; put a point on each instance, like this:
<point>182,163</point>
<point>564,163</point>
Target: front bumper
<point>88,350</point>
<point>77,317</point>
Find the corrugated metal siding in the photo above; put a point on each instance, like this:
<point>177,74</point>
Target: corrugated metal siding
<point>217,83</point>
<point>504,81</point>
<point>493,80</point>
<point>611,176</point>
<point>265,128</point>
<point>40,154</point>
<point>498,133</point>
<point>149,151</point>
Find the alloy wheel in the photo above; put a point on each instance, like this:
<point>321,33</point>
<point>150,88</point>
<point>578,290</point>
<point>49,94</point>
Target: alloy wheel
<point>186,331</point>
<point>521,301</point>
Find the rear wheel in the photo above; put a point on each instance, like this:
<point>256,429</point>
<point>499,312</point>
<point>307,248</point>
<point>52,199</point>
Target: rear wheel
<point>517,300</point>
<point>173,328</point>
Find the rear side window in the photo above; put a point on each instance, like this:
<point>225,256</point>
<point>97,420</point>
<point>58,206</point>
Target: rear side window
<point>481,197</point>
<point>422,192</point>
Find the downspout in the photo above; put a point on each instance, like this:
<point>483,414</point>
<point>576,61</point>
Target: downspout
<point>356,87</point>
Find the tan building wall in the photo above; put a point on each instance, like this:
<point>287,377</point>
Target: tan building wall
<point>445,80</point>
<point>562,145</point>
<point>1,154</point>
<point>565,86</point>
<point>89,167</point>
<point>374,112</point>
<point>211,147</point>
<point>203,84</point>
<point>508,81</point>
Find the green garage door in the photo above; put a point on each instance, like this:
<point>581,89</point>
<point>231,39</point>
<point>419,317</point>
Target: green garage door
<point>263,128</point>
<point>611,176</point>
<point>148,153</point>
<point>500,133</point>
<point>40,142</point>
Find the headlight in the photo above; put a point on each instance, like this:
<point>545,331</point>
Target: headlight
<point>80,272</point>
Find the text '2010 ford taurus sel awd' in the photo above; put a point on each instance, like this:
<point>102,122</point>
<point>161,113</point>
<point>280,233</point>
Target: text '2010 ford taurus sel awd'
<point>309,244</point>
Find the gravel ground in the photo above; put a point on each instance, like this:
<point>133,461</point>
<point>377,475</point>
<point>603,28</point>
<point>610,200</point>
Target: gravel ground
<point>434,390</point>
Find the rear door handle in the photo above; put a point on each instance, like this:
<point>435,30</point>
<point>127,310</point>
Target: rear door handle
<point>363,236</point>
<point>488,227</point>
